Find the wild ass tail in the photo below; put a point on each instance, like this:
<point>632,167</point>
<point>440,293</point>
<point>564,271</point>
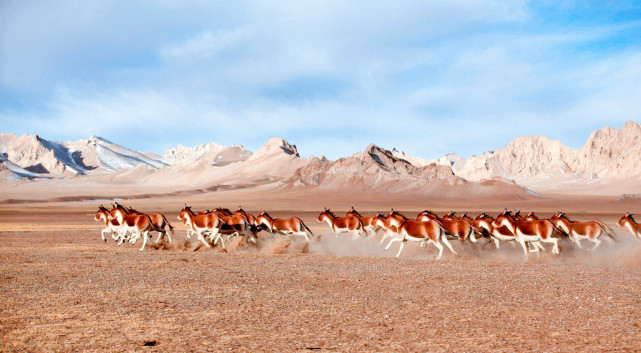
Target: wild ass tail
<point>608,231</point>
<point>307,230</point>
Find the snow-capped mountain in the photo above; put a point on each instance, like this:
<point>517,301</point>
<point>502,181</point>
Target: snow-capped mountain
<point>535,162</point>
<point>45,158</point>
<point>113,157</point>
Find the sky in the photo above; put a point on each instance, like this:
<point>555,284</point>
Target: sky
<point>425,77</point>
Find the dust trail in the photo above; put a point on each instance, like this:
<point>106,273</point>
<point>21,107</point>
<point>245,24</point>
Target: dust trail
<point>284,245</point>
<point>625,251</point>
<point>279,244</point>
<point>343,245</point>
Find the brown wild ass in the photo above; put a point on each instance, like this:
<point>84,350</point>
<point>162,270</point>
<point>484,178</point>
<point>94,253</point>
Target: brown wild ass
<point>201,224</point>
<point>410,230</point>
<point>158,219</point>
<point>533,231</point>
<point>367,222</point>
<point>139,225</point>
<point>501,233</point>
<point>285,226</point>
<point>628,222</point>
<point>111,225</point>
<point>578,231</point>
<point>454,226</point>
<point>341,224</point>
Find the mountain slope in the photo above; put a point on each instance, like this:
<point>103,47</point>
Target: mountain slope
<point>113,157</point>
<point>9,171</point>
<point>371,168</point>
<point>57,159</point>
<point>379,170</point>
<point>536,161</point>
<point>612,152</point>
<point>30,153</point>
<point>212,153</point>
<point>608,158</point>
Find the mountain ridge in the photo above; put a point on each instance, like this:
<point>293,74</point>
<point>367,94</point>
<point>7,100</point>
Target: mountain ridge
<point>531,161</point>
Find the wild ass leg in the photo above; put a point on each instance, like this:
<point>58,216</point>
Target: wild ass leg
<point>538,245</point>
<point>440,248</point>
<point>115,234</point>
<point>161,235</point>
<point>393,241</point>
<point>202,238</point>
<point>401,247</point>
<point>447,243</point>
<point>496,242</point>
<point>576,241</point>
<point>145,235</point>
<point>521,241</point>
<point>102,233</point>
<point>122,238</point>
<point>555,248</point>
<point>369,232</point>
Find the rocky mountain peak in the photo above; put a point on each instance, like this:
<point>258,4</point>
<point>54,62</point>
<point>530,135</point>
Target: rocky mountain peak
<point>276,146</point>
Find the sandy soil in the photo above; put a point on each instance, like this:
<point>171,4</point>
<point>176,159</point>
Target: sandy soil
<point>63,289</point>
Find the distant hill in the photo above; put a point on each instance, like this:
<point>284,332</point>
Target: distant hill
<point>609,158</point>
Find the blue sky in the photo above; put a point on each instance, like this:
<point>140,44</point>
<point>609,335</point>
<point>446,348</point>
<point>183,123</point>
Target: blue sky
<point>427,77</point>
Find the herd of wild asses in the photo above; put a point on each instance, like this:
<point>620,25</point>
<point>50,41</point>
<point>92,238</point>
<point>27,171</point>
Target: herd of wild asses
<point>220,224</point>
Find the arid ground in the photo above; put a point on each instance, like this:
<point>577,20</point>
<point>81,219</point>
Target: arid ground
<point>63,289</point>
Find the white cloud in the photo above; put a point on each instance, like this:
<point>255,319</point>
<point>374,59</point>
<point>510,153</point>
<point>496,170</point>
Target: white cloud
<point>332,76</point>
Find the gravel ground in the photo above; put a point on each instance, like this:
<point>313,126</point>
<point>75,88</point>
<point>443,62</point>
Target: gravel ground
<point>69,291</point>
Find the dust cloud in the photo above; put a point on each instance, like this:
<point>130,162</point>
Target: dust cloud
<point>624,251</point>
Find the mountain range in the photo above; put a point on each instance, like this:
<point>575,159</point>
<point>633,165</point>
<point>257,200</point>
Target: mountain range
<point>608,161</point>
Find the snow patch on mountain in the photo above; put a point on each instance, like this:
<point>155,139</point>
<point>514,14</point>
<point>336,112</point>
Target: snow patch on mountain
<point>113,157</point>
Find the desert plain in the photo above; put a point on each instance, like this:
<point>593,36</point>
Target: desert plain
<point>64,289</point>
